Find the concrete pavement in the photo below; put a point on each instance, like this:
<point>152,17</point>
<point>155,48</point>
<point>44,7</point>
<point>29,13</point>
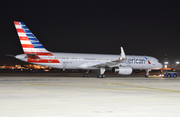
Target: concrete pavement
<point>89,97</point>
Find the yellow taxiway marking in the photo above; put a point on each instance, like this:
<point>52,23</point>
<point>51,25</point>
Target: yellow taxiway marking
<point>156,76</point>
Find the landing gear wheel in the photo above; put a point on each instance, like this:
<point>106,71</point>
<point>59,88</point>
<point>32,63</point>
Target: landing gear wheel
<point>146,76</point>
<point>101,76</point>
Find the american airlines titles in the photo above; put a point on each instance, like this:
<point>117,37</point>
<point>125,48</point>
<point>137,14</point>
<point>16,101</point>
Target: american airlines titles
<point>135,61</point>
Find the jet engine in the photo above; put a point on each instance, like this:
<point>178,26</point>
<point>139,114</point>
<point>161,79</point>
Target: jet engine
<point>122,70</point>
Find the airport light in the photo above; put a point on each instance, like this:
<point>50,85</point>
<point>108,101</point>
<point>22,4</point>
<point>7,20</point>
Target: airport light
<point>166,63</point>
<point>177,62</point>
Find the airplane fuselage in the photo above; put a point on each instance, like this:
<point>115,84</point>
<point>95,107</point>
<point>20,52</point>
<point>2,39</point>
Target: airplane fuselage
<point>81,61</point>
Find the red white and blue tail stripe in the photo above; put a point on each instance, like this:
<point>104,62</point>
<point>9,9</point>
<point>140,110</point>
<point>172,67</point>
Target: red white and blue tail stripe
<point>31,45</point>
<point>29,42</point>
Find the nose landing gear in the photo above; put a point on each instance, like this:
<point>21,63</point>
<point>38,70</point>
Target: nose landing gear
<point>147,73</point>
<point>86,74</point>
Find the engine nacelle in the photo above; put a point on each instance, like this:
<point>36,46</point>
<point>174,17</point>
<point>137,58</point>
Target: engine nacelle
<point>122,70</point>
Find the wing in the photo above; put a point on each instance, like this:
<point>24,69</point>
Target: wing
<point>109,64</point>
<point>102,64</point>
<point>114,63</point>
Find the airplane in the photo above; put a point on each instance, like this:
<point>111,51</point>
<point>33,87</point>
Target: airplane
<point>35,53</point>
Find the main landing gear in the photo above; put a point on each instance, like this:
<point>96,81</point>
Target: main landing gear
<point>147,73</point>
<point>101,75</point>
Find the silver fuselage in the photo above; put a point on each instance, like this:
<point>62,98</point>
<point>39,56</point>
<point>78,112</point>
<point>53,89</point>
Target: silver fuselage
<point>77,60</point>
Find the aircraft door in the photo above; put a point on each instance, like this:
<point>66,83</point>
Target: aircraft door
<point>65,65</point>
<point>153,61</point>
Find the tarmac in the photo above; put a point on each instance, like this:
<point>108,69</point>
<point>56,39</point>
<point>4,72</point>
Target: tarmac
<point>38,96</point>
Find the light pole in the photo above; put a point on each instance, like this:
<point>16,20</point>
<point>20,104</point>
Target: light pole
<point>177,64</point>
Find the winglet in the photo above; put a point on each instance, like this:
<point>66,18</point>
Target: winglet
<point>123,56</point>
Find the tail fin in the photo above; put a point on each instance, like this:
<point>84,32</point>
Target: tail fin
<point>29,42</point>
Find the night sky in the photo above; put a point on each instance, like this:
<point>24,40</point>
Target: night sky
<point>141,27</point>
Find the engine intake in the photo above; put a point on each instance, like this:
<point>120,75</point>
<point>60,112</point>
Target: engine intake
<point>122,70</point>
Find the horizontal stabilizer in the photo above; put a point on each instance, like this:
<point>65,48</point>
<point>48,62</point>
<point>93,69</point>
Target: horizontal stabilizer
<point>33,56</point>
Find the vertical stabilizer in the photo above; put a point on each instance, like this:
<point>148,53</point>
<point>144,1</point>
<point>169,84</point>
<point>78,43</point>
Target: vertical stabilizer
<point>29,42</point>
